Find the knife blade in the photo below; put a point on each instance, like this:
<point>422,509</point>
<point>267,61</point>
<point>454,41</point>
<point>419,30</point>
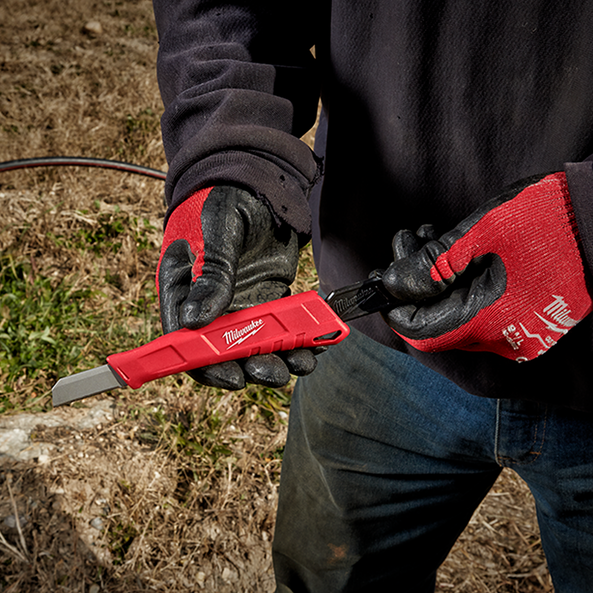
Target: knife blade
<point>304,320</point>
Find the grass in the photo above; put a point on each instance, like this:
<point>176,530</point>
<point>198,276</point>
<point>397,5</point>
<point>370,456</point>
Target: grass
<point>52,324</point>
<point>41,330</point>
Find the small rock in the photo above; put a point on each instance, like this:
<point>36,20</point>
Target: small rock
<point>44,459</point>
<point>201,579</point>
<point>94,589</point>
<point>93,27</point>
<point>10,521</point>
<point>13,441</point>
<point>228,575</point>
<point>97,523</point>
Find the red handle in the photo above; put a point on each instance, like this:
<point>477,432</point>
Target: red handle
<point>299,321</point>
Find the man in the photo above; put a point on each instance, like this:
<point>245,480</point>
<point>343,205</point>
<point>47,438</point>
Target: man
<point>474,117</point>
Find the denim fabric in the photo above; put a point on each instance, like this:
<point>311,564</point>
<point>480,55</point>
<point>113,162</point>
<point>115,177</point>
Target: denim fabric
<point>386,461</point>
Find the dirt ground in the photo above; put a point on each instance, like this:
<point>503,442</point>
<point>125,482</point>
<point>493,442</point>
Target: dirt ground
<point>173,487</point>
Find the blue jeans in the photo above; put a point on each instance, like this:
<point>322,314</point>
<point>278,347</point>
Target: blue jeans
<point>386,461</point>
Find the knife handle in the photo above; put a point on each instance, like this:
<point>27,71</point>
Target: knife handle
<point>300,321</point>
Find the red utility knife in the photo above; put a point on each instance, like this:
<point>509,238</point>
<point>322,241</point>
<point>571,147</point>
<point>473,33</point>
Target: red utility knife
<point>300,321</point>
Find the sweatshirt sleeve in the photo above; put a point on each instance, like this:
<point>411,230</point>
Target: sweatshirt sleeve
<point>239,86</point>
<point>580,184</point>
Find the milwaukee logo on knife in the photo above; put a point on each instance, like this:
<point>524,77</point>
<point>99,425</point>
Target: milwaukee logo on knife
<point>233,337</point>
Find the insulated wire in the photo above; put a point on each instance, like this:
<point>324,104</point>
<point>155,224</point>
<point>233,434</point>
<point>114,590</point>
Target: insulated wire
<point>78,161</point>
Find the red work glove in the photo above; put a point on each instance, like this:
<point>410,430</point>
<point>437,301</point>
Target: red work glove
<point>222,251</point>
<point>508,279</point>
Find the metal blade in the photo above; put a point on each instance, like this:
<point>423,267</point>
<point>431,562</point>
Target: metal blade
<point>361,298</point>
<point>85,384</point>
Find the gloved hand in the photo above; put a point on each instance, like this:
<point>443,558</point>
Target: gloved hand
<point>508,279</point>
<point>222,252</point>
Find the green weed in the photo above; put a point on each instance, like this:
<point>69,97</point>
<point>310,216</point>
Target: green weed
<point>187,434</point>
<point>107,233</point>
<point>121,536</point>
<point>105,236</point>
<point>40,324</point>
<point>269,401</point>
<point>49,328</point>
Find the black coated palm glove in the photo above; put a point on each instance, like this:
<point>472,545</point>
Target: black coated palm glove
<point>222,252</point>
<point>509,279</point>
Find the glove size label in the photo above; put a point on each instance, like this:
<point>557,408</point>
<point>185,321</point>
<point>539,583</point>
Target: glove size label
<point>513,336</point>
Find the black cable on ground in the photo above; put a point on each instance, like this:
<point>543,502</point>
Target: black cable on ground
<point>77,161</point>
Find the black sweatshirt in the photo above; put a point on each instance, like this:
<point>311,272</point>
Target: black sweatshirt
<point>430,108</point>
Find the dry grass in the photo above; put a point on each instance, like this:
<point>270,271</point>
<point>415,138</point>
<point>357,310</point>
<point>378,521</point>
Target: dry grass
<point>112,508</point>
<point>135,504</point>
